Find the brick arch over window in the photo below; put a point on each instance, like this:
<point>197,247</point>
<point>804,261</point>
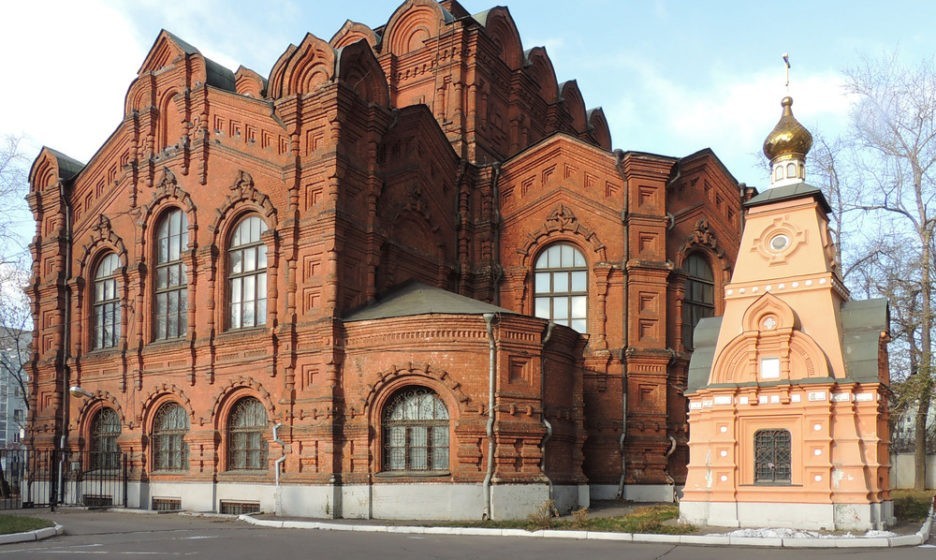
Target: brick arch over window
<point>160,394</point>
<point>395,380</point>
<point>103,239</point>
<point>235,389</point>
<point>98,400</point>
<point>167,192</point>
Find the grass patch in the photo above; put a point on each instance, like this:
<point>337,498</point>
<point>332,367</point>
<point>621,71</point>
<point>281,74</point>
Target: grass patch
<point>657,519</point>
<point>912,505</point>
<point>20,524</point>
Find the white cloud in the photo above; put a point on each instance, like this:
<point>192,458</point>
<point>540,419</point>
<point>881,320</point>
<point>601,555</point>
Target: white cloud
<point>69,66</point>
<point>732,115</point>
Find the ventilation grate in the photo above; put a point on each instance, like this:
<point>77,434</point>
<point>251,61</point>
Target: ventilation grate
<point>239,508</point>
<point>167,504</point>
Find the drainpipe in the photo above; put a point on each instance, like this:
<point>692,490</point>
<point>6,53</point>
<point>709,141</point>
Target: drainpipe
<point>279,461</point>
<point>546,424</point>
<point>625,340</point>
<point>66,339</point>
<point>669,479</point>
<point>486,485</point>
<point>495,230</point>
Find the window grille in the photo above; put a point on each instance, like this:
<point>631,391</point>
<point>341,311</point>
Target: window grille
<point>106,308</point>
<point>170,452</point>
<point>171,281</point>
<point>561,286</point>
<point>699,298</point>
<point>167,504</point>
<point>247,448</point>
<point>238,508</point>
<point>247,280</point>
<point>416,432</point>
<point>105,428</point>
<point>772,457</point>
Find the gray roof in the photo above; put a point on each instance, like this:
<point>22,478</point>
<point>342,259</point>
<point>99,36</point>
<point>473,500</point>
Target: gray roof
<point>785,192</point>
<point>415,298</point>
<point>68,167</point>
<point>862,324</point>
<point>218,76</point>
<point>704,338</point>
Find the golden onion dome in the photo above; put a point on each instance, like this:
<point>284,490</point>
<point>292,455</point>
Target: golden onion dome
<point>789,139</point>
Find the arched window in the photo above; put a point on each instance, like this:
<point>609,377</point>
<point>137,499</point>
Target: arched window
<point>247,448</point>
<point>171,291</point>
<point>106,305</point>
<point>247,279</point>
<point>772,457</point>
<point>561,286</point>
<point>170,452</point>
<point>105,428</point>
<point>416,432</point>
<point>699,298</point>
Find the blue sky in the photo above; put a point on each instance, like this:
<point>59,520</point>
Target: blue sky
<point>672,76</point>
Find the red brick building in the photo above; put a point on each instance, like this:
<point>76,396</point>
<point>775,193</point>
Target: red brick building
<point>404,275</point>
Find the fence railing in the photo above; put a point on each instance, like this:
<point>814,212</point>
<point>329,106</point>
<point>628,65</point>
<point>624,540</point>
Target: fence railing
<point>50,478</point>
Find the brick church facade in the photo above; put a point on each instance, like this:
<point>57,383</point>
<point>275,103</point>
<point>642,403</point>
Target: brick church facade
<point>404,275</point>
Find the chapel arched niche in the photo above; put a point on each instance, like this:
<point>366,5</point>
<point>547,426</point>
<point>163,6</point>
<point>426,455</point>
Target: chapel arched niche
<point>770,349</point>
<point>352,32</point>
<point>359,70</point>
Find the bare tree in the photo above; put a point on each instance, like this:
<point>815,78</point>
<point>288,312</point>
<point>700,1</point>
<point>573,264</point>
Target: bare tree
<point>16,326</point>
<point>12,204</point>
<point>894,131</point>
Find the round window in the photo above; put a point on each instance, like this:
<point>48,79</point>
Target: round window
<point>779,242</point>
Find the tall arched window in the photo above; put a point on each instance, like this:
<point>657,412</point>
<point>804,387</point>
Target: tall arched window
<point>170,452</point>
<point>247,448</point>
<point>247,279</point>
<point>561,286</point>
<point>105,428</point>
<point>699,298</point>
<point>416,432</point>
<point>171,320</point>
<point>106,305</point>
<point>772,457</point>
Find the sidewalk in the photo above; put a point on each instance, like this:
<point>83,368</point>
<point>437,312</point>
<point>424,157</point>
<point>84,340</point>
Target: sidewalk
<point>719,536</point>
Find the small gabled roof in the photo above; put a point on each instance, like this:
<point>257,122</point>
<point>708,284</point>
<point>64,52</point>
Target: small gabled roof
<point>416,298</point>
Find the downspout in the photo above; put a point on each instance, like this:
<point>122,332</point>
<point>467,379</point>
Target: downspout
<point>546,424</point>
<point>669,479</point>
<point>495,231</point>
<point>66,339</point>
<point>625,213</point>
<point>486,485</point>
<point>280,460</point>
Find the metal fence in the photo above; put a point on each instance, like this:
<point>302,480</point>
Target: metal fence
<point>50,478</point>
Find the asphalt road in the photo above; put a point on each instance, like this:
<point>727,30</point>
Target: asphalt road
<point>126,535</point>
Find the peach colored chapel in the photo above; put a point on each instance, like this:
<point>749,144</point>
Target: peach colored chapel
<point>788,399</point>
<point>402,275</point>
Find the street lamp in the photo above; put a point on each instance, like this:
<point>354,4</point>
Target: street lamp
<point>79,393</point>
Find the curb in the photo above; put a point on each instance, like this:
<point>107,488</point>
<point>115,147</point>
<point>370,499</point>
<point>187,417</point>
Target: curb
<point>915,539</point>
<point>30,536</point>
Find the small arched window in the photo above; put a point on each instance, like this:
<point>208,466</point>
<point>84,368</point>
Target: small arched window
<point>561,286</point>
<point>247,447</point>
<point>772,457</point>
<point>171,319</point>
<point>247,278</point>
<point>416,432</point>
<point>105,429</point>
<point>699,298</point>
<point>170,452</point>
<point>106,305</point>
